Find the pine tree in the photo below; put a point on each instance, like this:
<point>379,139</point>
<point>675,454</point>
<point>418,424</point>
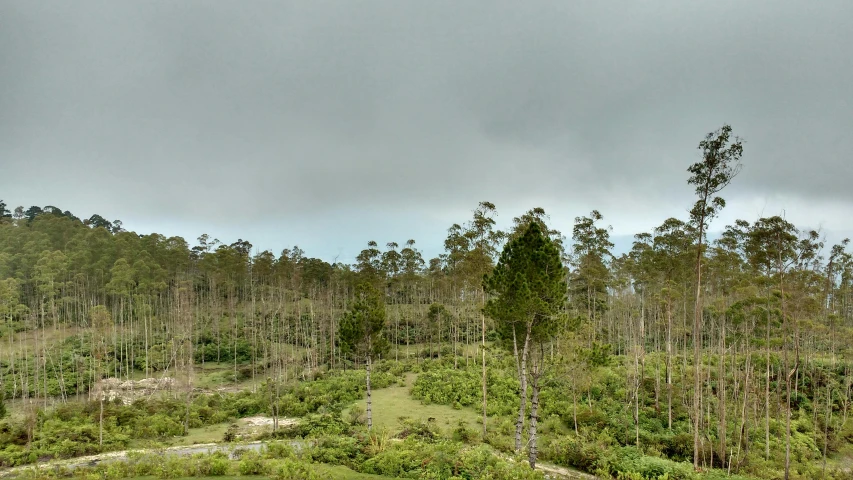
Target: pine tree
<point>361,332</point>
<point>529,290</point>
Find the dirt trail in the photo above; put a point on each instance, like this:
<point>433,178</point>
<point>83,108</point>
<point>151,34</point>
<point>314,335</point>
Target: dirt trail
<point>92,460</point>
<point>555,471</point>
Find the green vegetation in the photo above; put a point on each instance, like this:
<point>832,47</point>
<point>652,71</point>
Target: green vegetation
<point>394,406</point>
<point>683,358</point>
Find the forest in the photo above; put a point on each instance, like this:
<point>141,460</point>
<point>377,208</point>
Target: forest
<point>689,356</point>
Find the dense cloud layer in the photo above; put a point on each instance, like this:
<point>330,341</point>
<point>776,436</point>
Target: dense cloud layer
<point>331,123</point>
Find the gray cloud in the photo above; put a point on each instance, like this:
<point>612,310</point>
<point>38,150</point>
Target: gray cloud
<point>312,121</point>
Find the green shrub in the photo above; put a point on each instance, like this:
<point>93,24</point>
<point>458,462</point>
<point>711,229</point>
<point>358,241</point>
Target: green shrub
<point>290,469</point>
<point>251,463</point>
<point>278,450</point>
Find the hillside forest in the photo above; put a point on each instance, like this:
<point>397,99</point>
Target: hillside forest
<point>689,356</point>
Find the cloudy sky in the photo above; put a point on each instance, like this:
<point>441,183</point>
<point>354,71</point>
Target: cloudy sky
<point>328,124</point>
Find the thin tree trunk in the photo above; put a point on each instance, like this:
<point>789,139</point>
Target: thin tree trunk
<point>101,422</point>
<point>722,391</point>
<point>575,402</point>
<point>369,399</point>
<point>669,364</point>
<point>483,335</point>
<point>826,424</point>
<point>534,414</point>
<point>788,376</point>
<point>519,424</point>
<point>697,344</point>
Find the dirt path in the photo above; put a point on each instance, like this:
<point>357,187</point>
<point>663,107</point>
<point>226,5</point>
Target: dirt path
<point>92,460</point>
<point>555,471</point>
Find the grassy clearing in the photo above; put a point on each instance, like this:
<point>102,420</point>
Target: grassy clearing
<point>343,473</point>
<point>209,434</point>
<point>226,477</point>
<point>389,404</point>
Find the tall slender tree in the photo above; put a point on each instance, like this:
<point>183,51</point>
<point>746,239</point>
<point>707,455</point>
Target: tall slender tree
<point>720,164</point>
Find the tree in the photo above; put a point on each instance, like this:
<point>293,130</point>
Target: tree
<point>10,307</point>
<point>591,252</point>
<point>773,243</point>
<point>361,332</point>
<point>436,316</point>
<point>101,323</point>
<point>32,212</point>
<point>720,164</point>
<point>529,289</point>
<point>369,264</point>
<point>4,212</point>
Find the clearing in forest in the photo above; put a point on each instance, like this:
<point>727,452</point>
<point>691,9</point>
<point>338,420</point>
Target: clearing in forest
<point>389,404</point>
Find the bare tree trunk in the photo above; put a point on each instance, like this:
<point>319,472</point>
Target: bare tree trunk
<point>788,376</point>
<point>669,364</point>
<point>826,425</point>
<point>519,424</point>
<point>534,414</point>
<point>575,402</point>
<point>744,432</point>
<point>722,391</point>
<point>697,345</point>
<point>767,391</point>
<point>369,399</point>
<point>483,335</point>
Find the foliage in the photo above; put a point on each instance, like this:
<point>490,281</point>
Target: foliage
<point>362,326</point>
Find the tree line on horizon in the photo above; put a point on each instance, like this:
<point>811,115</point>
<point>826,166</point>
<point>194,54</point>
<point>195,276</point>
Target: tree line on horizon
<point>727,337</point>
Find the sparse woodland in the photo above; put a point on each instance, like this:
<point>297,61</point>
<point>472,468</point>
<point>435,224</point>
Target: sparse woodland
<point>687,356</point>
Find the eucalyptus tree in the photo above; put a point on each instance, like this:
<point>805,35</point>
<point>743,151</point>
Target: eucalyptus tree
<point>411,260</point>
<point>528,284</point>
<point>361,332</point>
<point>437,315</point>
<point>483,242</point>
<point>369,264</point>
<point>390,260</point>
<point>412,269</point>
<point>101,323</point>
<point>720,164</point>
<point>120,287</point>
<point>838,257</point>
<point>772,244</point>
<point>727,272</point>
<point>591,252</point>
<point>50,273</point>
<point>672,248</point>
<point>11,309</point>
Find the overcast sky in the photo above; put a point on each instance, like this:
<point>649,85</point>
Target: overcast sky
<point>328,124</point>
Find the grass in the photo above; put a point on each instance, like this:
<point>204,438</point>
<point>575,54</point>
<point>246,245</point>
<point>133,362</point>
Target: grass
<point>208,434</point>
<point>225,477</point>
<point>389,404</point>
<point>336,472</point>
<point>343,473</point>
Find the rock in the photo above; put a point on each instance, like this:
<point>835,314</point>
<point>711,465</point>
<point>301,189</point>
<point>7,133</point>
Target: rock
<point>130,390</point>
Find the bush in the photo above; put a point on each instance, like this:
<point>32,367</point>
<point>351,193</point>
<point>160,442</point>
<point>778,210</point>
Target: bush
<point>463,434</point>
<point>251,463</point>
<point>357,416</point>
<point>293,470</point>
<point>278,450</point>
<point>230,433</point>
<point>219,465</point>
